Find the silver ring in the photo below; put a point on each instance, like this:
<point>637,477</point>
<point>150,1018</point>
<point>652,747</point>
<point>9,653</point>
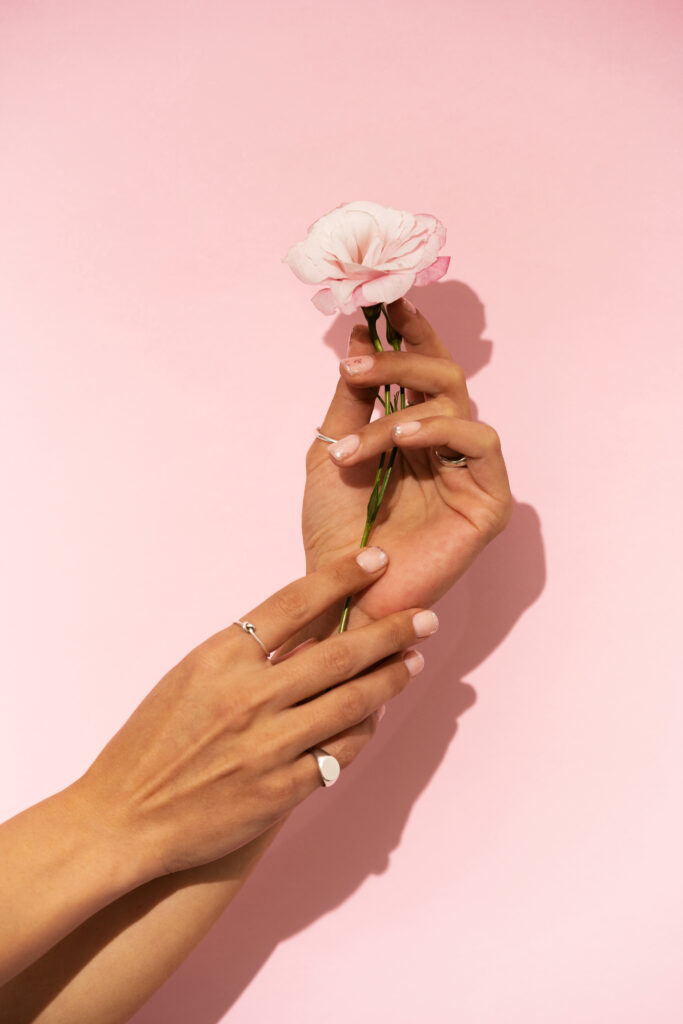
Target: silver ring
<point>455,461</point>
<point>325,438</point>
<point>329,766</point>
<point>251,630</point>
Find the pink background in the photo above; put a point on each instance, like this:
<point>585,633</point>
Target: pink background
<point>509,849</point>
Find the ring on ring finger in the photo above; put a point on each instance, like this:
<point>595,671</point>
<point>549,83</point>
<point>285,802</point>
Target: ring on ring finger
<point>455,461</point>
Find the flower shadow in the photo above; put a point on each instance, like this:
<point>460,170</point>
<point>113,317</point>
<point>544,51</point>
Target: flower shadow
<point>452,307</point>
<point>341,836</point>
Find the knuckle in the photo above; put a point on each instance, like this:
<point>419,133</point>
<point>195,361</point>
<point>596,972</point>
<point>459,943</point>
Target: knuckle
<point>206,659</point>
<point>490,439</point>
<point>338,574</point>
<point>458,378</point>
<point>354,704</point>
<point>347,748</point>
<point>494,517</point>
<point>398,631</point>
<point>280,789</point>
<point>291,603</point>
<point>338,660</point>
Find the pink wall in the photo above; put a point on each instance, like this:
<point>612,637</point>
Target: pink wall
<point>509,849</point>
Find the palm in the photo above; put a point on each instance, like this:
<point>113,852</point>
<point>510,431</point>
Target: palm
<point>429,542</point>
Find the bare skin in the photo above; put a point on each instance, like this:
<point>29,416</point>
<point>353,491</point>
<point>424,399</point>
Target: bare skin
<point>434,522</point>
<point>215,755</point>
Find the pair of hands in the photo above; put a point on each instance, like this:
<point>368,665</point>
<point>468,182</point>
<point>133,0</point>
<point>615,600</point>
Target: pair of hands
<point>217,752</point>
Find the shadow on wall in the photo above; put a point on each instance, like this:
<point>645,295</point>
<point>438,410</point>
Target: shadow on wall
<point>338,838</point>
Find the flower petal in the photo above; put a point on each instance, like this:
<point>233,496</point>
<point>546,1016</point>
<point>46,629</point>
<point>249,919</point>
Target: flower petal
<point>387,288</point>
<point>306,263</point>
<point>432,273</point>
<point>324,301</point>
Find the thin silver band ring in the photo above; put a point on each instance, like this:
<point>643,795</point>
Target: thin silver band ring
<point>325,438</point>
<point>455,461</point>
<point>251,630</point>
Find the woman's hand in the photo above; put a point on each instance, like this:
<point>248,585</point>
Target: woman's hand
<point>435,520</point>
<point>217,752</point>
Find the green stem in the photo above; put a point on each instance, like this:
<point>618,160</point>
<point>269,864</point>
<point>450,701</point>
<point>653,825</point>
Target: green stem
<point>372,314</point>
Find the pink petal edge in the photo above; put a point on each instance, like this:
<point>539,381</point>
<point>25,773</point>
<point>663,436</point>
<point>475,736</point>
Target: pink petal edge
<point>434,272</point>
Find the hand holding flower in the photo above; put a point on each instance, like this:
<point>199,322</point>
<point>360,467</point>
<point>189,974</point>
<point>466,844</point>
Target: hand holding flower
<point>434,520</point>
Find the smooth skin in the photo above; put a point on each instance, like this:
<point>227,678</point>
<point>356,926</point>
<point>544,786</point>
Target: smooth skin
<point>213,756</point>
<point>440,519</point>
<point>434,520</point>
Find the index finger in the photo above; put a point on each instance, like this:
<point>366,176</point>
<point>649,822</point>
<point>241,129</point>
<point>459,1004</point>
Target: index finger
<point>284,613</point>
<point>416,330</point>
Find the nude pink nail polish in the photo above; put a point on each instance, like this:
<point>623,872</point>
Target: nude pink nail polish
<point>425,623</point>
<point>358,364</point>
<point>345,447</point>
<point>406,429</point>
<point>372,559</point>
<point>414,662</point>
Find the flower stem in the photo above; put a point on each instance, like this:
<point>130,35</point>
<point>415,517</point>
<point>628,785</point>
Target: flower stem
<point>372,314</point>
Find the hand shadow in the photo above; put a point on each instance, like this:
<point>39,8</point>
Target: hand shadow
<point>342,835</point>
<point>453,309</point>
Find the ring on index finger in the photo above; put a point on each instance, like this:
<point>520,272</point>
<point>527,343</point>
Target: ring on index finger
<point>249,628</point>
<point>324,437</point>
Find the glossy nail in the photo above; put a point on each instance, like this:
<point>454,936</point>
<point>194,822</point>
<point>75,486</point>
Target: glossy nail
<point>406,429</point>
<point>358,364</point>
<point>381,712</point>
<point>408,306</point>
<point>372,559</point>
<point>425,623</point>
<point>345,447</point>
<point>414,662</point>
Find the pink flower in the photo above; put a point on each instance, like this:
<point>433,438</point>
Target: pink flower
<point>363,253</point>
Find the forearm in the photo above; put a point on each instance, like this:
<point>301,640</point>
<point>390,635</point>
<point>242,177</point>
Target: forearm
<point>110,965</point>
<point>59,867</point>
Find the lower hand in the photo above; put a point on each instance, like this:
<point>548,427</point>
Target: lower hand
<point>434,520</point>
<point>217,751</point>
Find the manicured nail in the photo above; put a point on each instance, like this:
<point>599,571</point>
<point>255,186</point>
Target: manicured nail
<point>342,449</point>
<point>372,559</point>
<point>408,306</point>
<point>358,364</point>
<point>425,623</point>
<point>414,662</point>
<point>406,429</point>
<point>381,713</point>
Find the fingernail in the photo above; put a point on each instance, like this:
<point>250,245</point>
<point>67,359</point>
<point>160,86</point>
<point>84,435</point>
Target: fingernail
<point>408,306</point>
<point>406,429</point>
<point>372,559</point>
<point>342,449</point>
<point>358,364</point>
<point>381,712</point>
<point>414,662</point>
<point>425,623</point>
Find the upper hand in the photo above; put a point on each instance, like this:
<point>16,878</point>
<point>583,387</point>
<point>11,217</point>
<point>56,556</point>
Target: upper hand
<point>434,520</point>
<point>218,750</point>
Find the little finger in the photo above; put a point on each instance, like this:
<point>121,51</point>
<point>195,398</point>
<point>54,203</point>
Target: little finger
<point>478,441</point>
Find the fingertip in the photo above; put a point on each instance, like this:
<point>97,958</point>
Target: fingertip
<point>373,559</point>
<point>403,430</point>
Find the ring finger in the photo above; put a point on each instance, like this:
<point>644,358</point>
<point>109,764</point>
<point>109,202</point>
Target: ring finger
<point>478,441</point>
